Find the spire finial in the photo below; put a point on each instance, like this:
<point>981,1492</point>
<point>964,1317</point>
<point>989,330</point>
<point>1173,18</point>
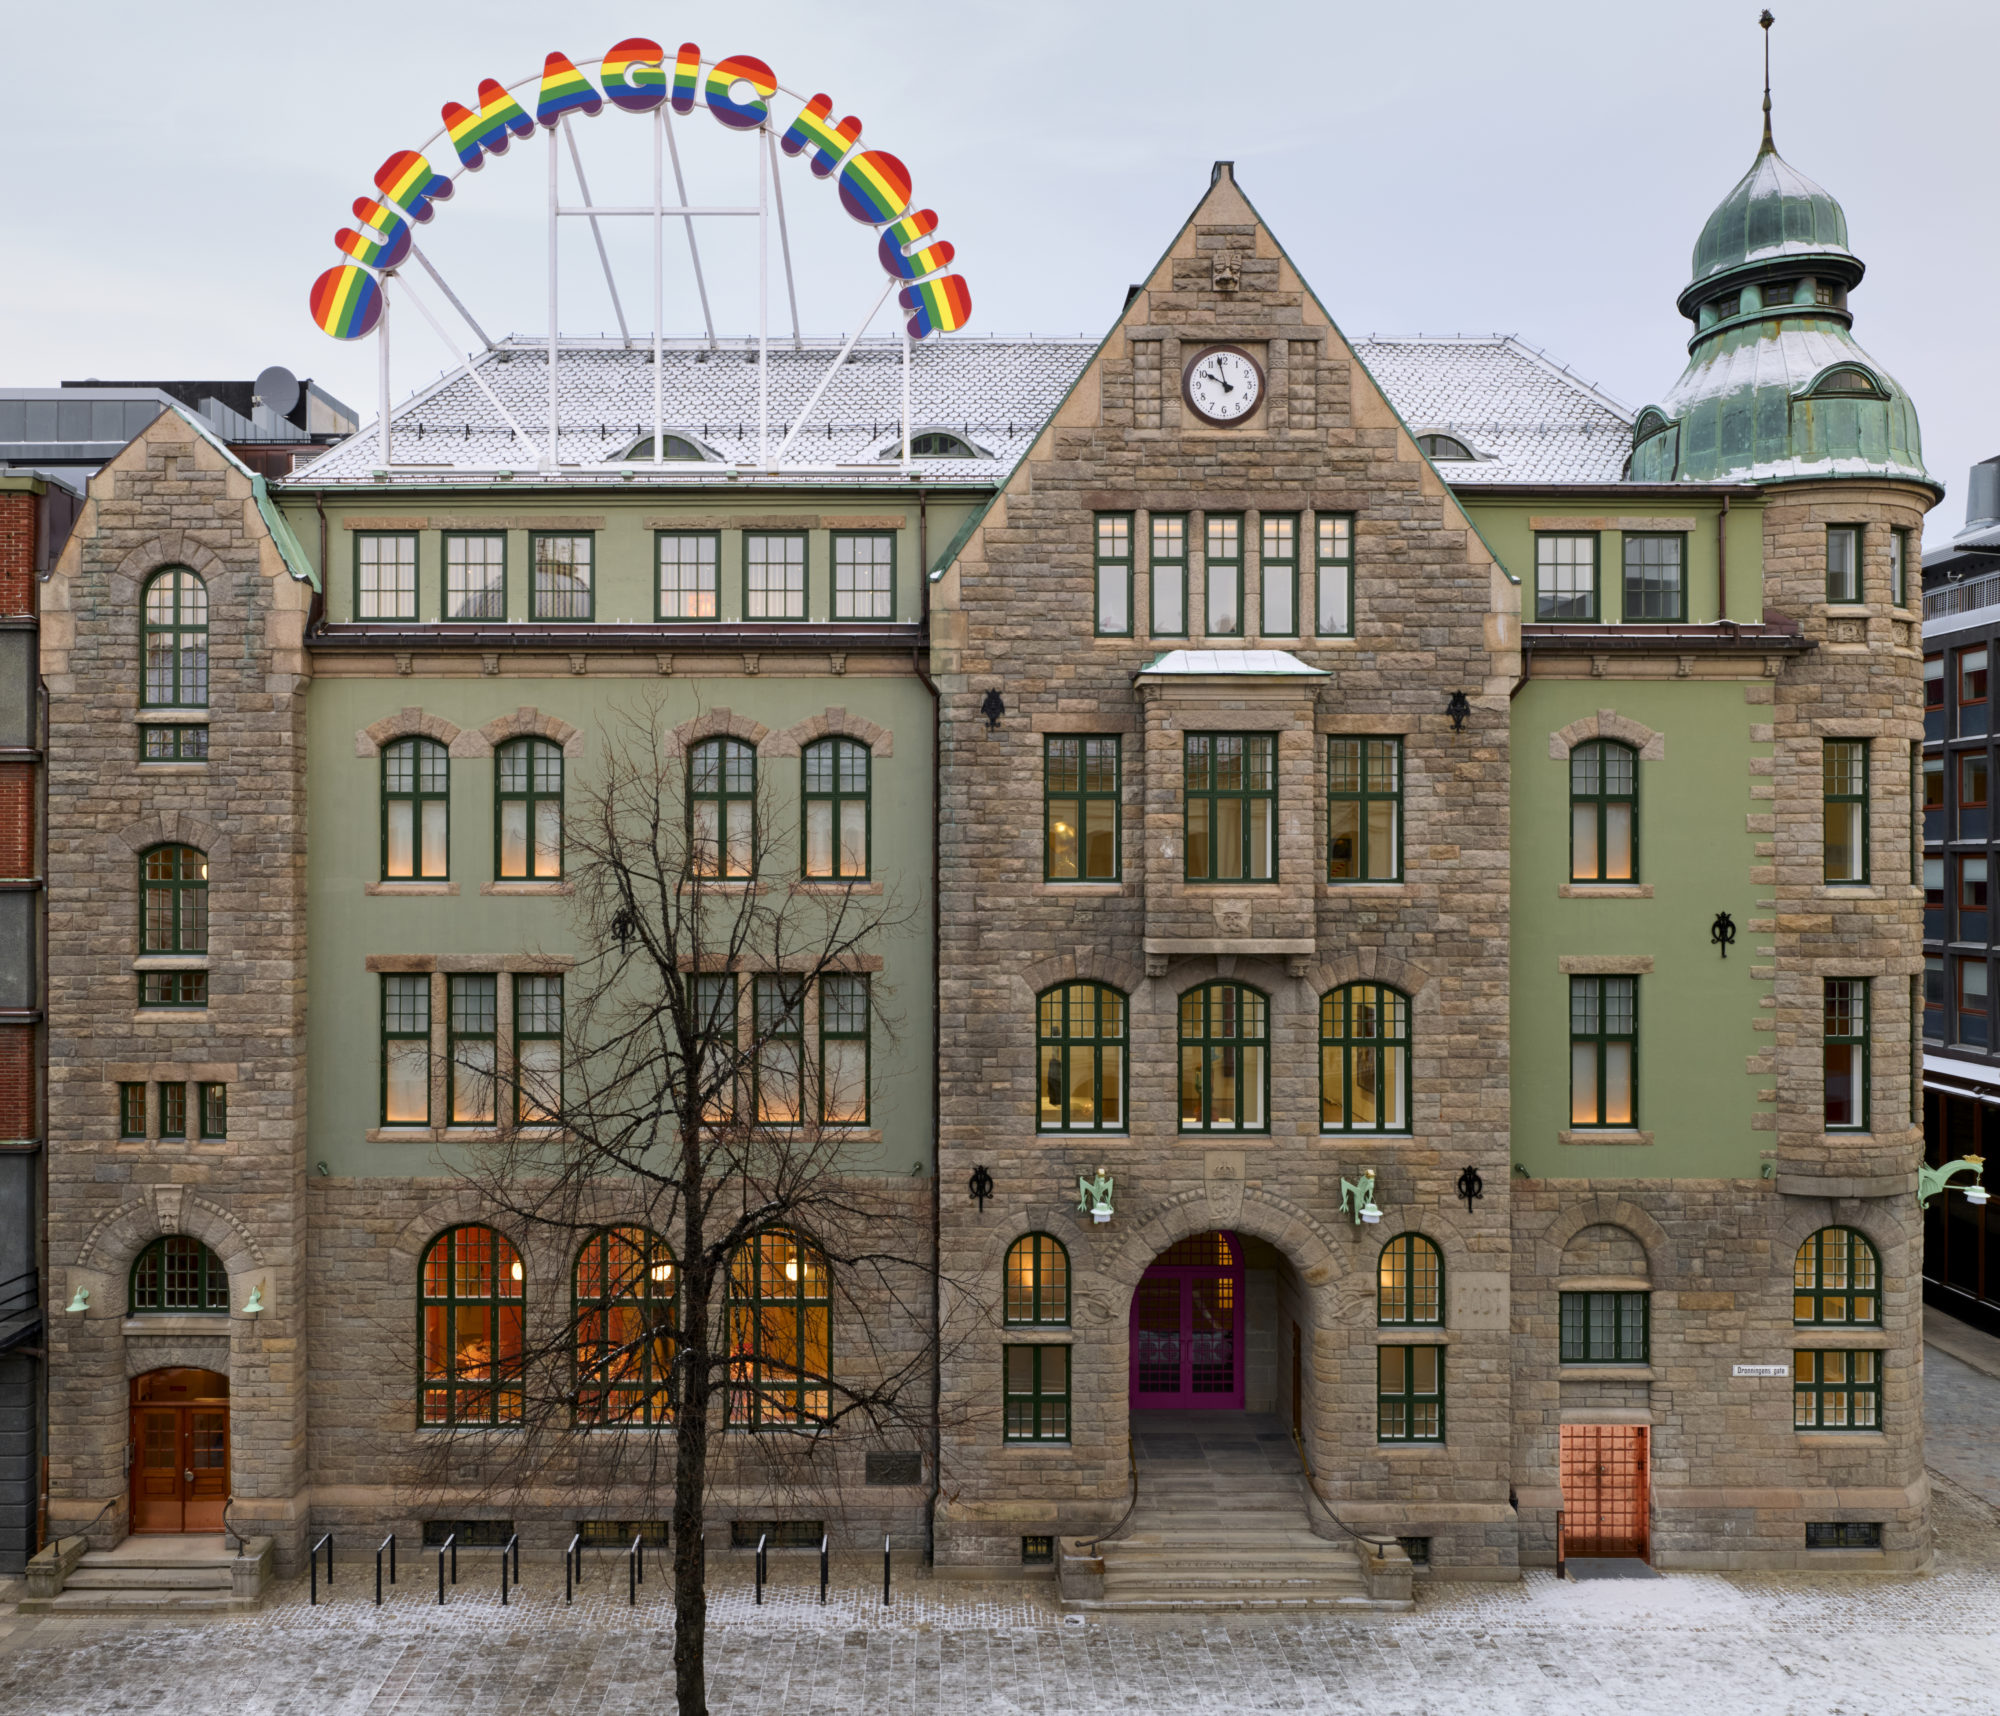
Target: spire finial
<point>1765,20</point>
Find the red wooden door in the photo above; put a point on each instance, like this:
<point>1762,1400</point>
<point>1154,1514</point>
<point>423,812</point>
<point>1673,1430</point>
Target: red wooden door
<point>156,1469</point>
<point>1187,1326</point>
<point>180,1450</point>
<point>1606,1504</point>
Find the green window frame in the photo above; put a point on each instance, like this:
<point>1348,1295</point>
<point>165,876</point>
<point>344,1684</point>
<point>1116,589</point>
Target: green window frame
<point>385,574</point>
<point>1409,1394</point>
<point>1225,1060</point>
<point>686,574</point>
<point>722,809</point>
<point>472,1080</point>
<point>1167,574</point>
<point>775,570</point>
<point>1037,1392</point>
<point>475,576</point>
<point>1605,1328</point>
<point>528,811</point>
<point>1655,588</point>
<point>716,1000</point>
<point>1899,567</point>
<point>1846,1053</point>
<point>1333,565</point>
<point>562,583</point>
<point>1081,791</point>
<point>1082,1060</point>
<point>538,1049</point>
<point>1843,562</point>
<point>1364,1059</point>
<point>780,1333</point>
<point>1230,804</point>
<point>161,742</point>
<point>1222,575</point>
<point>864,574</point>
<point>1603,1052</point>
<point>835,782</point>
<point>845,1050</point>
<point>1112,586</point>
<point>1364,810</point>
<point>779,1070</point>
<point>173,989</point>
<point>1409,1283</point>
<point>1037,1282</point>
<point>623,1304</point>
<point>1846,811</point>
<point>416,811</point>
<point>1837,1280</point>
<point>173,1110</point>
<point>1603,812</point>
<point>1567,574</point>
<point>1834,1389</point>
<point>406,1049</point>
<point>471,1307</point>
<point>174,641</point>
<point>173,900</point>
<point>214,1100</point>
<point>177,1276</point>
<point>131,1111</point>
<point>1278,575</point>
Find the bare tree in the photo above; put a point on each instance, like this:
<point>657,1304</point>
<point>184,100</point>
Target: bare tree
<point>685,1116</point>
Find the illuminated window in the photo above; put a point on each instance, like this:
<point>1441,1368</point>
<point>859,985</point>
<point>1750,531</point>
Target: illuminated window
<point>1409,1281</point>
<point>1230,802</point>
<point>623,1292</point>
<point>416,811</point>
<point>176,641</point>
<point>1038,1280</point>
<point>530,828</point>
<point>687,562</point>
<point>1224,1071</point>
<point>1409,1394</point>
<point>1604,1051</point>
<point>1037,1393</point>
<point>1080,808</point>
<point>1836,1279</point>
<point>780,1333</point>
<point>472,1301</point>
<point>1080,1043</point>
<point>836,810</point>
<point>722,808</point>
<point>1603,812</point>
<point>1364,810</point>
<point>1114,574</point>
<point>1836,1390</point>
<point>1364,1059</point>
<point>1846,1053</point>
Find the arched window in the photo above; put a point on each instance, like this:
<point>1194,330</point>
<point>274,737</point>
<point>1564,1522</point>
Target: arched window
<point>1224,1059</point>
<point>678,448</point>
<point>1080,1041</point>
<point>1445,448</point>
<point>1848,382</point>
<point>179,1273</point>
<point>780,1332</point>
<point>173,900</point>
<point>722,808</point>
<point>1038,1280</point>
<point>836,799</point>
<point>1364,1059</point>
<point>933,444</point>
<point>416,811</point>
<point>1410,1282</point>
<point>471,1310</point>
<point>176,607</point>
<point>530,831</point>
<point>623,1289</point>
<point>1836,1279</point>
<point>1603,812</point>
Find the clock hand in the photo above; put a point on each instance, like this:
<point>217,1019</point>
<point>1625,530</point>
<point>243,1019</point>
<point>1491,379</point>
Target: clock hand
<point>1216,376</point>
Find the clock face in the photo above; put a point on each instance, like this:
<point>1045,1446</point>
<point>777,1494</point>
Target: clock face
<point>1223,384</point>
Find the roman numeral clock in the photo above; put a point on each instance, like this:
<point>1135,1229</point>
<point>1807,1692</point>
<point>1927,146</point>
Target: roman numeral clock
<point>1223,385</point>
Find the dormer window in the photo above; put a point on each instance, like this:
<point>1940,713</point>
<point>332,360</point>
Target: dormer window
<point>933,444</point>
<point>678,448</point>
<point>1847,382</point>
<point>1650,424</point>
<point>1445,449</point>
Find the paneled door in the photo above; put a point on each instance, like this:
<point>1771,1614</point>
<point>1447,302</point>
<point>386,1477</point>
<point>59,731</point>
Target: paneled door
<point>1606,1503</point>
<point>1187,1326</point>
<point>180,1451</point>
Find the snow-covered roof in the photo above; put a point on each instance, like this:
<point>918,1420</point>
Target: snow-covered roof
<point>1190,662</point>
<point>1524,418</point>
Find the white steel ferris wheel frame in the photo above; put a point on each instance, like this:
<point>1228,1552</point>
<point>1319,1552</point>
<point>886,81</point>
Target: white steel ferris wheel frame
<point>770,202</point>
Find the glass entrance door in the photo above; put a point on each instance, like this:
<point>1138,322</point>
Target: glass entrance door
<point>1187,1326</point>
<point>180,1451</point>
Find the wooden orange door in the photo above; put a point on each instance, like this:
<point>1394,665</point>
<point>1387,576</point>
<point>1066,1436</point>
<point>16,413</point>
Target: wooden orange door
<point>207,1470</point>
<point>1606,1505</point>
<point>156,1469</point>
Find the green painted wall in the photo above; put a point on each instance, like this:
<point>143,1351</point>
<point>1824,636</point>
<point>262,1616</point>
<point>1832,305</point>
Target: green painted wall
<point>347,924</point>
<point>1696,1010</point>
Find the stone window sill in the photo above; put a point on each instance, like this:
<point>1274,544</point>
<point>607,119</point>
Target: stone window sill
<point>1029,1334</point>
<point>1604,891</point>
<point>200,768</point>
<point>1373,892</point>
<point>1607,1373</point>
<point>1817,1336</point>
<point>175,717</point>
<point>1834,1437</point>
<point>1604,1135</point>
<point>171,962</point>
<point>1410,1335</point>
<point>1035,1447</point>
<point>835,885</point>
<point>414,888</point>
<point>1407,1448</point>
<point>1337,1135</point>
<point>176,1323</point>
<point>548,889</point>
<point>1108,889</point>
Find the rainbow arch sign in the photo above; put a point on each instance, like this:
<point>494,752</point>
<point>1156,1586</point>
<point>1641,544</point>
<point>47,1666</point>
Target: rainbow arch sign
<point>638,76</point>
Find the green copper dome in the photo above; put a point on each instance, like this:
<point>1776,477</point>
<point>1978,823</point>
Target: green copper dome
<point>1774,211</point>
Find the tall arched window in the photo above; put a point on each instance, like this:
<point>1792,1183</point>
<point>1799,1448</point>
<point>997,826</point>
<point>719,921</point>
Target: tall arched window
<point>1225,1041</point>
<point>178,1273</point>
<point>528,837</point>
<point>1080,1042</point>
<point>1603,812</point>
<point>471,1327</point>
<point>1410,1282</point>
<point>722,808</point>
<point>1364,1059</point>
<point>623,1288</point>
<point>836,800</point>
<point>176,647</point>
<point>173,900</point>
<point>1038,1280</point>
<point>416,811</point>
<point>1836,1278</point>
<point>780,1332</point>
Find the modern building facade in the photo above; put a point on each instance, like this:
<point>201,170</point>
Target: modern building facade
<point>1426,916</point>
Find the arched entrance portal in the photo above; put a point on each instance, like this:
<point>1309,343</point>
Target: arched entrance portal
<point>180,1450</point>
<point>1187,1326</point>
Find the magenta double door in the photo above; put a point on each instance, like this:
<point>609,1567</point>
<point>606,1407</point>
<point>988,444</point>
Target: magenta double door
<point>1187,1327</point>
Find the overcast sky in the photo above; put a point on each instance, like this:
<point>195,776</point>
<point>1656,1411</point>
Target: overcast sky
<point>1536,168</point>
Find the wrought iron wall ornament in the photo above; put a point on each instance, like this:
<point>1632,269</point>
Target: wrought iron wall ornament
<point>1460,711</point>
<point>1722,932</point>
<point>1471,1187</point>
<point>993,708</point>
<point>980,1187</point>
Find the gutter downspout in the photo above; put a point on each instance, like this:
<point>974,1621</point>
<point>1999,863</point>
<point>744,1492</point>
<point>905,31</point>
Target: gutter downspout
<point>937,1039</point>
<point>316,611</point>
<point>1722,561</point>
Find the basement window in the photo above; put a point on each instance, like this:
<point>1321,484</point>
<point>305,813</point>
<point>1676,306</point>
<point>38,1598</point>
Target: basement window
<point>1844,1534</point>
<point>1038,1551</point>
<point>471,1533</point>
<point>780,1533</point>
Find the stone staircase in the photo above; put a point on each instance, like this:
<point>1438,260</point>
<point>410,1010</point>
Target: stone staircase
<point>148,1576</point>
<point>1222,1523</point>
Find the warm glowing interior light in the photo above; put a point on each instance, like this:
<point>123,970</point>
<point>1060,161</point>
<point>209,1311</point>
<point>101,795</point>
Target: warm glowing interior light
<point>791,1269</point>
<point>516,1270</point>
<point>663,1271</point>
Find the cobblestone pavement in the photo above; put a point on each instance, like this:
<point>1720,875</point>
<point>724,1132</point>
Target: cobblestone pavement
<point>1829,1645</point>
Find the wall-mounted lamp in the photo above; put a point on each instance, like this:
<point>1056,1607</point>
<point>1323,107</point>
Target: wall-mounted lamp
<point>1094,1196</point>
<point>1460,711</point>
<point>1359,1196</point>
<point>254,1305</point>
<point>1471,1187</point>
<point>993,708</point>
<point>979,1188</point>
<point>79,1302</point>
<point>624,926</point>
<point>1722,932</point>
<point>1931,1181</point>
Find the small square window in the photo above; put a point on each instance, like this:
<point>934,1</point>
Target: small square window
<point>1038,1551</point>
<point>173,744</point>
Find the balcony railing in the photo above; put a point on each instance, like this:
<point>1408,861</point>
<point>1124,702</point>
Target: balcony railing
<point>1963,598</point>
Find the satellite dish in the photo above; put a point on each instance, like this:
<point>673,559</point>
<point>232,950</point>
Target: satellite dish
<point>278,390</point>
